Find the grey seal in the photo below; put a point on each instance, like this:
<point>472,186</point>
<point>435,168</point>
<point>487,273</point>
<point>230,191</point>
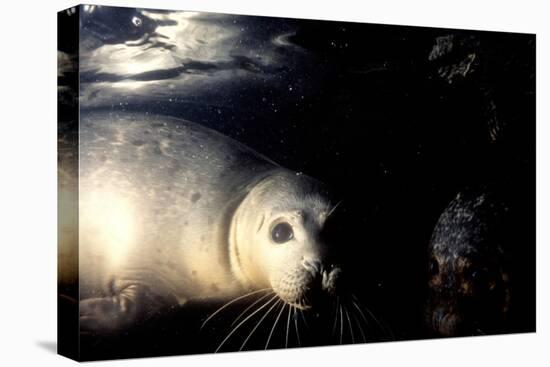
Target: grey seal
<point>172,211</point>
<point>469,281</point>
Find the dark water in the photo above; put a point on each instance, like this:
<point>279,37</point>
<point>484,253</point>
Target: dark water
<point>396,120</point>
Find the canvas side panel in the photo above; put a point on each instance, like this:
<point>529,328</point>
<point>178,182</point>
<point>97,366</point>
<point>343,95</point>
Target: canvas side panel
<point>67,163</point>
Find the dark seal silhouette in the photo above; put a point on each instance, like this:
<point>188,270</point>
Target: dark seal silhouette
<point>469,281</point>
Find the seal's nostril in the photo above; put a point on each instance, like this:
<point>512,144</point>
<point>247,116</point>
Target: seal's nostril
<point>312,266</point>
<point>330,279</point>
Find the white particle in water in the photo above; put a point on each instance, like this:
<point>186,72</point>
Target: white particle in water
<point>136,21</point>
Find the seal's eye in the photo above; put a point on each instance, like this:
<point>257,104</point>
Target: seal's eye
<point>282,233</point>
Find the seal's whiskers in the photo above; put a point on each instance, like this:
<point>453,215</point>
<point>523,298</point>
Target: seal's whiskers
<point>259,322</point>
<point>358,323</point>
<point>350,325</point>
<point>287,325</point>
<point>245,320</point>
<point>358,304</point>
<point>295,315</point>
<point>336,315</point>
<point>334,208</point>
<point>275,325</point>
<point>249,307</point>
<point>303,317</point>
<point>361,313</point>
<point>360,328</point>
<point>341,323</point>
<point>231,302</point>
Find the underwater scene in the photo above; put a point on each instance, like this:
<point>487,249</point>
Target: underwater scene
<point>231,182</point>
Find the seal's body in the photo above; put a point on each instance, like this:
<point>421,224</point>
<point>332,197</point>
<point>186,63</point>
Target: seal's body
<point>172,211</point>
<point>469,281</point>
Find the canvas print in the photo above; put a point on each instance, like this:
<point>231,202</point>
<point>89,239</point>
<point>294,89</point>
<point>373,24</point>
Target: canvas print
<point>232,183</point>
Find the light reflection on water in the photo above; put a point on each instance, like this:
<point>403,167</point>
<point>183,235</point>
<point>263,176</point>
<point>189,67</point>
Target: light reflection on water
<point>132,56</point>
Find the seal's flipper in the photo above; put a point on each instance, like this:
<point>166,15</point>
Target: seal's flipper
<point>104,315</point>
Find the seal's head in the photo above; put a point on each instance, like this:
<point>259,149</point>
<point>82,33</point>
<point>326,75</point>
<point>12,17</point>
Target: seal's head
<point>276,239</point>
<point>468,285</point>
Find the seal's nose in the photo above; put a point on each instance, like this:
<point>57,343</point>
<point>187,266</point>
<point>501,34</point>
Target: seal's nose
<point>330,279</point>
<point>313,266</point>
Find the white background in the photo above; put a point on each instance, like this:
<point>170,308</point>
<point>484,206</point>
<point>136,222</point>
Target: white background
<point>28,182</point>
